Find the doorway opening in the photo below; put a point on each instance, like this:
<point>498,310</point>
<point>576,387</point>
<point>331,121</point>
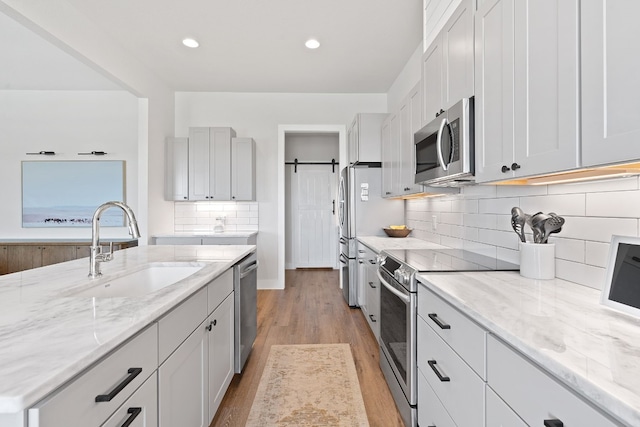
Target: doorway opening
<point>311,183</point>
<point>306,133</point>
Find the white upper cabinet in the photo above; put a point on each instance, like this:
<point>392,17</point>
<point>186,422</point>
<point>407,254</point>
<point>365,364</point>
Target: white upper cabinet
<point>243,169</point>
<point>410,123</point>
<point>526,76</point>
<point>387,157</point>
<point>610,82</point>
<point>363,138</point>
<point>177,169</point>
<point>212,164</point>
<point>447,64</point>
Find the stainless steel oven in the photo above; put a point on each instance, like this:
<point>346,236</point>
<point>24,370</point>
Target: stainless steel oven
<point>398,323</point>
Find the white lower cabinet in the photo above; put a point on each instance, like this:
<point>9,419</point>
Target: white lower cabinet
<point>194,378</point>
<point>533,395</point>
<point>499,414</point>
<point>94,396</point>
<point>455,384</point>
<point>182,392</point>
<point>369,285</point>
<point>141,409</point>
<point>220,353</point>
<point>431,413</point>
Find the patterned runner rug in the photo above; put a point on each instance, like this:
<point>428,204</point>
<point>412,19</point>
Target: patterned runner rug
<point>309,385</point>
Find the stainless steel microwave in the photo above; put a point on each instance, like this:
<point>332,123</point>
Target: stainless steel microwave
<point>445,148</point>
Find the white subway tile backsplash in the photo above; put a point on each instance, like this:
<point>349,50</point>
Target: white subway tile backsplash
<point>480,191</point>
<point>584,274</point>
<point>521,190</point>
<point>201,216</point>
<point>569,249</point>
<point>614,204</point>
<point>618,184</point>
<point>594,211</point>
<point>597,254</point>
<point>480,220</point>
<point>598,229</point>
<point>498,206</point>
<point>562,204</point>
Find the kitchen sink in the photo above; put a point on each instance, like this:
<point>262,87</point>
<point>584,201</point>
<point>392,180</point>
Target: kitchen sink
<point>150,279</point>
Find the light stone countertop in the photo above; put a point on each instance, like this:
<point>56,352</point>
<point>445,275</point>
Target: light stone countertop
<point>560,326</point>
<point>378,243</point>
<point>208,234</point>
<point>48,337</point>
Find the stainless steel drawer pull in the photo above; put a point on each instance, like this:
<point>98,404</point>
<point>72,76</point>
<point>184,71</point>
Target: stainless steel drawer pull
<point>373,318</point>
<point>553,423</point>
<point>371,285</point>
<point>133,372</point>
<point>434,317</point>
<point>134,412</point>
<point>441,377</point>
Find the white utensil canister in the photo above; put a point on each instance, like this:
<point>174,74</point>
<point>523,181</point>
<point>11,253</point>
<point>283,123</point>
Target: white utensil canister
<point>538,260</point>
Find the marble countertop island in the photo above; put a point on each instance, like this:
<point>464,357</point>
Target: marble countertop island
<point>48,336</point>
<point>562,327</point>
<point>208,234</point>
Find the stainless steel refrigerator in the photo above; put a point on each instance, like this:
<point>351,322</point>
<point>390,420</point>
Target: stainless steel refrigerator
<point>361,212</point>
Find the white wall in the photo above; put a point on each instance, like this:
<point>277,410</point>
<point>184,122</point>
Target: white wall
<point>406,80</point>
<point>67,122</point>
<point>258,115</point>
<point>72,32</point>
<point>480,220</point>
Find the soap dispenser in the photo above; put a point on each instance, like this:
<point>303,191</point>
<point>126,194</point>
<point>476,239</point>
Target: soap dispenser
<point>219,225</point>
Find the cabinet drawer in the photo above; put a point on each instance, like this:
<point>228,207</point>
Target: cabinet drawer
<point>178,324</point>
<point>462,394</point>
<point>75,404</point>
<point>141,409</point>
<point>219,289</point>
<point>533,394</point>
<point>463,335</point>
<point>499,414</point>
<point>430,410</point>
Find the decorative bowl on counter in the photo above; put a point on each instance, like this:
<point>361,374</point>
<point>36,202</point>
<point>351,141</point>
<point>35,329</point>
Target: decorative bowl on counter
<point>397,232</point>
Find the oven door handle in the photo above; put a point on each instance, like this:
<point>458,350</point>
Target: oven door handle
<point>393,290</point>
<point>343,259</point>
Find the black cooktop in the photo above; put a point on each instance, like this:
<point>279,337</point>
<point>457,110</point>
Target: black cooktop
<point>434,260</point>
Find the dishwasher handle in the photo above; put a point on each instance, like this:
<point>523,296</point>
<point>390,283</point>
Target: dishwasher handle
<point>253,266</point>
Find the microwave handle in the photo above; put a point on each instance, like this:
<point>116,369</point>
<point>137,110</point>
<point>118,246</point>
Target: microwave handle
<point>443,123</point>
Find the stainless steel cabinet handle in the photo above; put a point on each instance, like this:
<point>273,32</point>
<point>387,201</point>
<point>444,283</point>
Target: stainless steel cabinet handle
<point>553,423</point>
<point>434,317</point>
<point>343,259</point>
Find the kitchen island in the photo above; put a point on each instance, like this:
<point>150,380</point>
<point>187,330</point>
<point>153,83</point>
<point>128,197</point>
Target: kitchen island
<point>49,335</point>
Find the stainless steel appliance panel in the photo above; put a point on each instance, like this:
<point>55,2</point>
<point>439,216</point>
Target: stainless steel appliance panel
<point>445,147</point>
<point>245,288</point>
<point>361,212</point>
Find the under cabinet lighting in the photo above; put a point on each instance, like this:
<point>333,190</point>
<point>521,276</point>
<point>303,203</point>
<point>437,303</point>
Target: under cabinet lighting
<point>581,175</point>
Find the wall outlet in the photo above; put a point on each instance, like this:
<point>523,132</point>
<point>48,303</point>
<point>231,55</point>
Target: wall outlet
<point>434,222</point>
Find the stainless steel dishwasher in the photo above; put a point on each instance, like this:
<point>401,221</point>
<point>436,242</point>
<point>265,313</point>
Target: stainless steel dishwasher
<point>245,286</point>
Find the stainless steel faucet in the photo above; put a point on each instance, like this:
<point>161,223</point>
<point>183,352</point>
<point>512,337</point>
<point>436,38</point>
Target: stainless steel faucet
<point>96,256</point>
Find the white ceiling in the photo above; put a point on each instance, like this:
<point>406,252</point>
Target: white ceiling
<point>258,45</point>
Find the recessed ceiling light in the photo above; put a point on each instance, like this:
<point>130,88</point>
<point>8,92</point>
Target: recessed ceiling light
<point>312,44</point>
<point>192,43</point>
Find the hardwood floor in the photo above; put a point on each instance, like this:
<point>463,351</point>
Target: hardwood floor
<point>310,310</point>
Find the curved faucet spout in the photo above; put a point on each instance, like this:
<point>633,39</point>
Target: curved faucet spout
<point>96,255</point>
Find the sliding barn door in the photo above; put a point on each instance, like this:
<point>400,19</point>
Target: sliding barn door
<point>313,190</point>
